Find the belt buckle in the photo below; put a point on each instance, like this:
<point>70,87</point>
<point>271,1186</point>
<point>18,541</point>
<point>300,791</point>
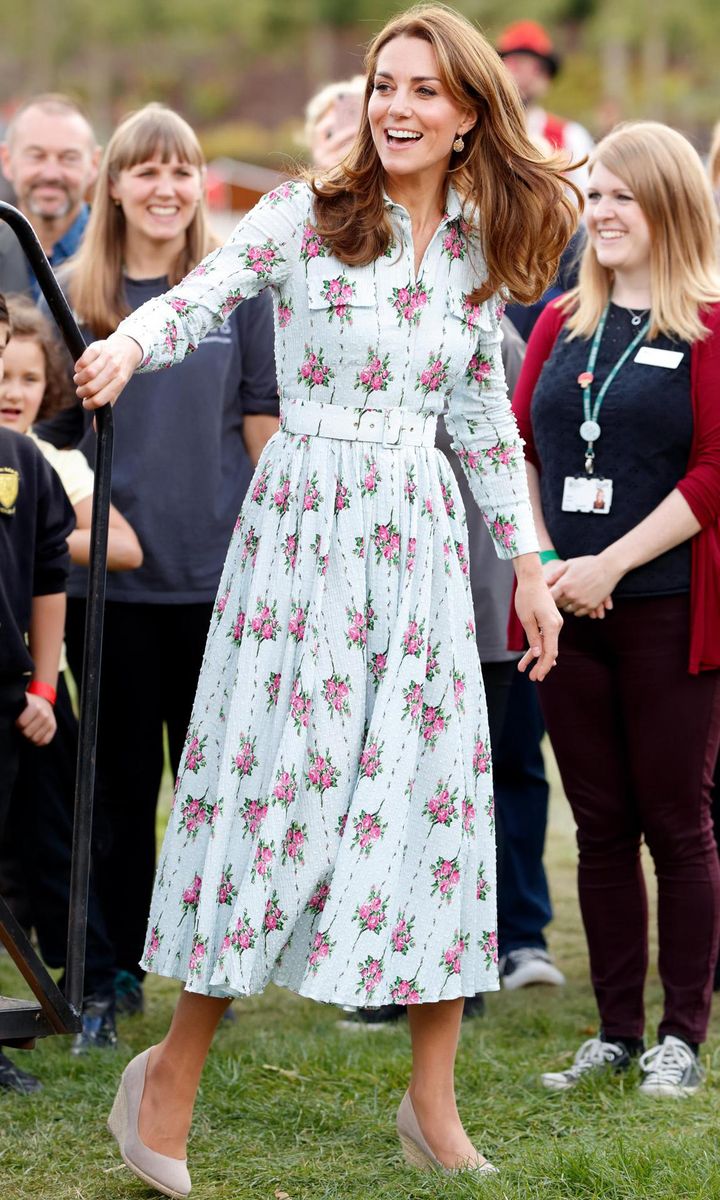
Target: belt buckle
<point>392,427</point>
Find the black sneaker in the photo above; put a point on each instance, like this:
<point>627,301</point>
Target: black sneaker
<point>474,1006</point>
<point>529,965</point>
<point>98,1025</point>
<point>13,1079</point>
<point>373,1018</point>
<point>129,998</point>
<point>670,1069</point>
<point>593,1056</point>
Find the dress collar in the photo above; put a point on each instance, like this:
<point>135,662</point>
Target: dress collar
<point>453,207</point>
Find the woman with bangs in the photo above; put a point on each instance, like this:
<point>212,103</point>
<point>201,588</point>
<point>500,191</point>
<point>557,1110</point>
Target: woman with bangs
<point>180,472</point>
<point>332,829</point>
<point>619,405</point>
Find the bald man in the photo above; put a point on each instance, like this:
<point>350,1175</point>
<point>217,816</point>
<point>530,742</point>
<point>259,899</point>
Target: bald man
<point>51,158</point>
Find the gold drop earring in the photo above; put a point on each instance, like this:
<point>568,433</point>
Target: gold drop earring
<point>458,144</point>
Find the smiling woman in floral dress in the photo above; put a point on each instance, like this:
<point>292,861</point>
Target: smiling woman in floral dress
<point>332,827</point>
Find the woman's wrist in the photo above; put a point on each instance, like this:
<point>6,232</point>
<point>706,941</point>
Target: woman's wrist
<point>46,690</point>
<point>615,560</point>
<point>528,568</point>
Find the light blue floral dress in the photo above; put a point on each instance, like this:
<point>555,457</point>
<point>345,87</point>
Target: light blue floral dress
<point>332,828</point>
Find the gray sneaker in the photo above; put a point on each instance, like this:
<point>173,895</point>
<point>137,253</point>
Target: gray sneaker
<point>592,1057</point>
<point>670,1069</point>
<point>529,965</point>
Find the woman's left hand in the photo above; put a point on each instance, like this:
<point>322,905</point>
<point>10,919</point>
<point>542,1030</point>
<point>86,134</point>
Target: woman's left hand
<point>586,585</point>
<point>542,623</point>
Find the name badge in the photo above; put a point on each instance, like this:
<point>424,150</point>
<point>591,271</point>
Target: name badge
<point>584,494</point>
<point>659,358</point>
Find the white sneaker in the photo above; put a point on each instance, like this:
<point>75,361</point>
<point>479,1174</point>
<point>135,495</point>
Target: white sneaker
<point>593,1056</point>
<point>529,965</point>
<point>670,1069</point>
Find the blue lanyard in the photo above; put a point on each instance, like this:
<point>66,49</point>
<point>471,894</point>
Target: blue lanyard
<point>590,429</point>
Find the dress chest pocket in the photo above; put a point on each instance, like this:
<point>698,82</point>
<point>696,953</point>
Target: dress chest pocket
<point>339,291</point>
<point>475,320</point>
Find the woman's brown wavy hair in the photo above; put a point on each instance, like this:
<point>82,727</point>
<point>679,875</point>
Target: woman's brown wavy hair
<point>510,188</point>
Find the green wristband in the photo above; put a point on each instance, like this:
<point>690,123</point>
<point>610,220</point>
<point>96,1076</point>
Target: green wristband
<point>547,556</point>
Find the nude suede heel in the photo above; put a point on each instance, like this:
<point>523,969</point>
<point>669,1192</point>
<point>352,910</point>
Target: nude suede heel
<point>416,1150</point>
<point>167,1175</point>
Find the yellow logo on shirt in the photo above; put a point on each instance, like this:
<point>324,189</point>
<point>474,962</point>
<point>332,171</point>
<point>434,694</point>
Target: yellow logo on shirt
<point>9,486</point>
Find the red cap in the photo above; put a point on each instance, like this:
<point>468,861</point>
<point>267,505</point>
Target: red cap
<point>527,37</point>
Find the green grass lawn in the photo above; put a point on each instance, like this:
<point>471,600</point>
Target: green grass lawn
<point>292,1106</point>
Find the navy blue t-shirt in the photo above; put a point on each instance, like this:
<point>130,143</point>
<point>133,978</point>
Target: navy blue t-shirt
<point>647,427</point>
<point>180,467</point>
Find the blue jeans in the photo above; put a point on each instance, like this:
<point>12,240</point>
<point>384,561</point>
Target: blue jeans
<point>521,806</point>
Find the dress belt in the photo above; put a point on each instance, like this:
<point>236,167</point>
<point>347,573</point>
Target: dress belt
<point>389,426</point>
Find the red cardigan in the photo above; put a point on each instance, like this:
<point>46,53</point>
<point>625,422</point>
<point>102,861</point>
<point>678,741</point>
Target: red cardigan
<point>700,485</point>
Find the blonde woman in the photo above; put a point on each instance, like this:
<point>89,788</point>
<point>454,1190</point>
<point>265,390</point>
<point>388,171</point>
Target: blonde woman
<point>180,472</point>
<point>618,403</point>
<point>333,818</point>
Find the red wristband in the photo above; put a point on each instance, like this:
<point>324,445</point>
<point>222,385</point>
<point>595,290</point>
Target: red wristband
<point>36,688</point>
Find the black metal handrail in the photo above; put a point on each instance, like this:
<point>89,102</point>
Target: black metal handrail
<point>90,683</point>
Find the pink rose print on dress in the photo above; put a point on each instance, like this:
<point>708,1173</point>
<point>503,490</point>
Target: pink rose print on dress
<point>194,754</point>
<point>170,337</point>
<point>290,549</point>
<point>300,705</point>
<point>342,497</point>
<point>503,529</point>
<point>481,758</point>
<point>489,947</point>
<point>221,604</point>
<point>432,665</point>
<point>191,896</point>
<point>504,454</point>
<point>281,496</point>
<point>244,760</point>
<point>432,378</point>
<point>482,889</point>
<point>359,548</point>
<point>410,486</point>
<point>441,807</point>
<point>412,544</point>
<point>285,313</point>
<point>479,369</point>
<point>468,815</point>
<point>296,624</point>
<point>252,814</point>
<point>371,916</point>
<point>312,245</point>
<point>260,486</point>
<point>263,861</point>
<point>285,192</point>
<point>274,919</point>
<point>378,667</point>
<point>231,301</point>
<point>250,547</point>
<point>285,787</point>
<point>470,628</point>
<point>342,822</point>
<point>446,556</point>
<point>194,813</point>
<point>368,830</point>
<point>462,558</point>
<point>293,844</point>
<point>152,945</point>
<point>445,874</point>
<point>413,697</point>
<point>413,639</point>
<point>454,245</point>
<point>313,371</point>
<point>470,314</point>
<point>318,900</point>
<point>237,629</point>
<point>338,293</point>
<point>450,960</point>
<point>406,991</point>
<point>239,938</point>
<point>322,948</point>
<point>320,774</point>
<point>371,974</point>
<point>336,692</point>
<point>500,310</point>
<point>370,764</point>
<point>197,955</point>
<point>322,559</point>
<point>471,460</point>
<point>426,508</point>
<point>272,687</point>
<point>312,498</point>
<point>409,302</point>
<point>261,259</point>
<point>490,812</point>
<point>264,625</point>
<point>401,934</point>
<point>386,539</point>
<point>375,376</point>
<point>448,499</point>
<point>226,892</point>
<point>371,478</point>
<point>360,624</point>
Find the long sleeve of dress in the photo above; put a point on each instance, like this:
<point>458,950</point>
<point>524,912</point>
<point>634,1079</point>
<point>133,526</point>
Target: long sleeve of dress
<point>487,442</point>
<point>259,253</point>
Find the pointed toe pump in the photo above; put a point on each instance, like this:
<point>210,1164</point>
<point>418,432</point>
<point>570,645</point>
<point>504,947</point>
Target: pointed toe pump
<point>416,1150</point>
<point>167,1175</point>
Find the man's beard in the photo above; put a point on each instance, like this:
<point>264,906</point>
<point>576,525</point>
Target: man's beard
<point>39,210</point>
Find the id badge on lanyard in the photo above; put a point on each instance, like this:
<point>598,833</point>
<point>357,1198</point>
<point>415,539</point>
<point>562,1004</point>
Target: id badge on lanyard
<point>587,494</point>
